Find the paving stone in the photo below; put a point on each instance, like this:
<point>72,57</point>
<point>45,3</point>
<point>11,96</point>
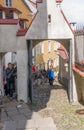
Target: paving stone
<point>8,109</point>
<point>1,125</point>
<point>27,124</point>
<point>13,113</point>
<point>28,129</point>
<point>22,106</point>
<point>44,122</point>
<point>47,128</point>
<point>4,117</point>
<point>11,125</point>
<point>18,117</point>
<point>25,111</point>
<point>35,116</point>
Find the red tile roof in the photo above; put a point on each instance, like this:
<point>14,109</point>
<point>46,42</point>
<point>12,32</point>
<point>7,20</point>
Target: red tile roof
<point>23,19</point>
<point>77,70</point>
<point>79,31</point>
<point>63,52</point>
<point>82,62</point>
<point>80,66</point>
<point>21,32</point>
<point>59,1</point>
<point>9,21</point>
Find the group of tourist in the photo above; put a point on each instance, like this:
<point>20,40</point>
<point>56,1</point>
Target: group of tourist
<point>9,79</point>
<point>50,74</point>
<point>10,76</point>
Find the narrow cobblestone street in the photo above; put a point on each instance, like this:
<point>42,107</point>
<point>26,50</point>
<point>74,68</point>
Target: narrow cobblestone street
<point>52,101</point>
<point>48,102</point>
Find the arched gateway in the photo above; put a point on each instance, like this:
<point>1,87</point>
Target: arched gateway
<point>49,23</point>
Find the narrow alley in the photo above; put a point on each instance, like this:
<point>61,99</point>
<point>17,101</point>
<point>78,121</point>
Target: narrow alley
<point>49,103</point>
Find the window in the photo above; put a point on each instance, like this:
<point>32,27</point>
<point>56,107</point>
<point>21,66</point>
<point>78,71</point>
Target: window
<point>33,52</point>
<point>9,15</point>
<point>42,47</point>
<point>1,14</point>
<point>56,61</point>
<point>49,18</point>
<point>56,45</point>
<point>21,23</point>
<point>49,46</point>
<point>8,3</point>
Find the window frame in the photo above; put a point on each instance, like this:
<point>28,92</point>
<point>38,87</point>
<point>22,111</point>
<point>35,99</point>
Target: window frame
<point>56,45</point>
<point>9,15</point>
<point>8,3</point>
<point>1,14</point>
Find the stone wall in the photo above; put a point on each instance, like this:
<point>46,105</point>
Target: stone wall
<point>8,39</point>
<point>79,80</point>
<point>22,69</point>
<point>79,47</point>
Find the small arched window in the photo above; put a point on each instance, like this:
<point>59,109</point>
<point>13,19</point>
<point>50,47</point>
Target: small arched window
<point>49,18</point>
<point>9,15</point>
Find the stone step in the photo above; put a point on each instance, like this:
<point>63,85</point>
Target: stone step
<point>44,128</point>
<point>35,115</point>
<point>33,124</point>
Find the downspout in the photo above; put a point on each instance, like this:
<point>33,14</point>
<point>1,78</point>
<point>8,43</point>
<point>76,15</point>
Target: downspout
<point>30,86</point>
<point>70,74</point>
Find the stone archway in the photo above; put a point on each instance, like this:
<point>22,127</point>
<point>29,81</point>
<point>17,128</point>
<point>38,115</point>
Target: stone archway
<point>64,75</point>
<point>48,23</point>
<point>51,23</point>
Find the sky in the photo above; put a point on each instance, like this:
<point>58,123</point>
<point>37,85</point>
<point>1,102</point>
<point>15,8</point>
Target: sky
<point>74,10</point>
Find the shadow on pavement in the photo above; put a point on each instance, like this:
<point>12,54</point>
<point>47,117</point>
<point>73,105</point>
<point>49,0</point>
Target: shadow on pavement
<point>18,115</point>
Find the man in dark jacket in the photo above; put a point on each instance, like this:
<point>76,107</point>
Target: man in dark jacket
<point>10,79</point>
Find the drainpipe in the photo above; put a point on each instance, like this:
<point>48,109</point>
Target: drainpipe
<point>70,91</point>
<point>30,86</point>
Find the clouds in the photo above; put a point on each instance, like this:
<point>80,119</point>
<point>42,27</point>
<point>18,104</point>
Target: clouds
<point>74,10</point>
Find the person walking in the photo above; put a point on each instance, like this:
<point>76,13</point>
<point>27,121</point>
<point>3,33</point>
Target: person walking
<point>9,76</point>
<point>51,75</point>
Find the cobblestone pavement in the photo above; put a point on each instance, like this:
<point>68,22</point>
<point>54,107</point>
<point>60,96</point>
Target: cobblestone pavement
<point>19,116</point>
<point>53,101</point>
<point>15,114</point>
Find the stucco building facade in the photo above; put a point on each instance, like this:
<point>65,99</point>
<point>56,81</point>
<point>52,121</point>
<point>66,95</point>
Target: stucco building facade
<point>46,54</point>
